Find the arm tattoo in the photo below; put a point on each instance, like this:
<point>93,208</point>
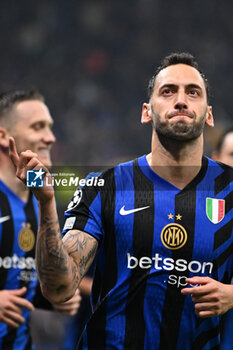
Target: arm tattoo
<point>84,246</point>
<point>52,259</point>
<point>63,261</point>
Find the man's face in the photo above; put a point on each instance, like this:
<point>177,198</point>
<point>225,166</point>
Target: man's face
<point>179,107</point>
<point>226,153</point>
<point>32,129</point>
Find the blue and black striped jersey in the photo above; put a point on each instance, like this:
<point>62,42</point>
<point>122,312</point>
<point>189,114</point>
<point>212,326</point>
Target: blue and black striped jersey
<point>151,237</point>
<point>227,331</point>
<point>18,228</point>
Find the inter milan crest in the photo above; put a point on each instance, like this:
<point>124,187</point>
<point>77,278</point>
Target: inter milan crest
<point>26,238</point>
<point>174,236</point>
<point>215,209</point>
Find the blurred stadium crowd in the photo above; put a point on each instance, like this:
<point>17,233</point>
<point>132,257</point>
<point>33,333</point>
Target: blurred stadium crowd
<point>93,59</point>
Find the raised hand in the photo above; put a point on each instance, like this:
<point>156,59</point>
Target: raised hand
<point>29,161</point>
<point>11,304</point>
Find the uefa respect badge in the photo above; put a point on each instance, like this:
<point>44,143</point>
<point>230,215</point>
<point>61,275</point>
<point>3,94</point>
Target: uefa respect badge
<point>35,178</point>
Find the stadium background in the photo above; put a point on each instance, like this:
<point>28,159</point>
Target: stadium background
<point>93,59</point>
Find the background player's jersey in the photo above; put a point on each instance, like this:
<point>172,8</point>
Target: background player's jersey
<point>18,228</point>
<point>151,237</point>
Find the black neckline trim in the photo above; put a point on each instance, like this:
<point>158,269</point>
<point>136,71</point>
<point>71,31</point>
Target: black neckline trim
<point>197,179</point>
<point>146,170</point>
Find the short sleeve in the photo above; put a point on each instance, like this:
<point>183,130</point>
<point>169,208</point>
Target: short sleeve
<point>84,210</point>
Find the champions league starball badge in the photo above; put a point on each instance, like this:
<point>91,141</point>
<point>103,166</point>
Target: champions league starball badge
<point>75,200</point>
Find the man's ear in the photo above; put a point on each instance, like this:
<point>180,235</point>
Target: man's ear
<point>209,118</point>
<point>146,116</point>
<point>4,137</point>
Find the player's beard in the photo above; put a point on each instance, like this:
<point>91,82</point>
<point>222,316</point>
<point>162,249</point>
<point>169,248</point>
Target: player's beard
<point>180,131</point>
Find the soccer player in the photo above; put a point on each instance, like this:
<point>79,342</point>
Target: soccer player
<point>224,149</point>
<point>160,229</point>
<point>25,116</point>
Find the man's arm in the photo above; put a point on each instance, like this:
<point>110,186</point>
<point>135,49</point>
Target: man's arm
<point>61,262</point>
<point>69,308</point>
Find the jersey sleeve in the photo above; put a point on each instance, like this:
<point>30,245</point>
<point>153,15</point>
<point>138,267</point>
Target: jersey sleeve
<point>84,210</point>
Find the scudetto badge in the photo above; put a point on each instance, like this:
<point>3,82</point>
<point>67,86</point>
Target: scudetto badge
<point>26,238</point>
<point>174,236</point>
<point>215,209</point>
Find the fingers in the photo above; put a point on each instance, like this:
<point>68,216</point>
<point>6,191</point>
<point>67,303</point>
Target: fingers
<point>13,152</point>
<point>195,290</point>
<point>211,297</point>
<point>12,302</point>
<point>205,314</point>
<point>13,319</point>
<point>207,309</point>
<point>71,306</point>
<point>204,286</point>
<point>198,280</point>
<point>67,309</point>
<point>18,292</point>
<point>76,299</point>
<point>14,308</point>
<point>77,293</point>
<point>26,160</point>
<point>29,161</point>
<point>21,302</point>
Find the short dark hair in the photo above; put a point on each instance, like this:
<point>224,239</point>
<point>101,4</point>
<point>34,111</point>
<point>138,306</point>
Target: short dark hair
<point>10,98</point>
<point>177,58</point>
<point>222,139</point>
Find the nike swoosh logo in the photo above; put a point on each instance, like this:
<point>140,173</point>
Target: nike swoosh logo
<point>4,218</point>
<point>131,211</point>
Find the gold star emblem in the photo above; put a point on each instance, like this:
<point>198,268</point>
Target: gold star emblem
<point>170,216</point>
<point>178,217</point>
